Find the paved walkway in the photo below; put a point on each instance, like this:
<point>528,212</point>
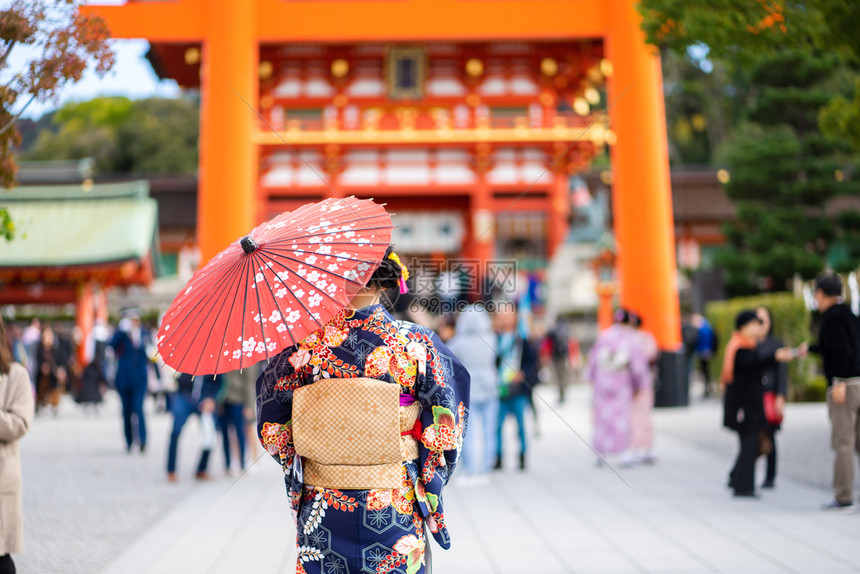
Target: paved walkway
<point>561,515</point>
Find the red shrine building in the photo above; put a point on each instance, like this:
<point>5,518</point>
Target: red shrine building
<point>466,118</point>
<point>454,137</point>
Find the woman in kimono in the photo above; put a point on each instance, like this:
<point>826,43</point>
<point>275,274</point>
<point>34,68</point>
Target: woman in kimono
<point>642,424</point>
<point>617,369</point>
<point>370,530</point>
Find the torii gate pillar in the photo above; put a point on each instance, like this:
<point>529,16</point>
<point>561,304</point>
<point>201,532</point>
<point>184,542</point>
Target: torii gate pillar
<point>229,88</point>
<point>641,197</point>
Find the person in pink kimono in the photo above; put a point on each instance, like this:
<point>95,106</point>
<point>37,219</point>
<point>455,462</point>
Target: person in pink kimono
<point>642,431</point>
<point>617,369</point>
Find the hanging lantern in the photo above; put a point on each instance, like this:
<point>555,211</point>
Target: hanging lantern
<point>549,67</point>
<point>474,67</point>
<point>339,68</point>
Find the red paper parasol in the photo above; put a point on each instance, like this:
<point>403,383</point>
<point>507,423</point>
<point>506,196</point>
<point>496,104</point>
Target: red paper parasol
<point>273,288</point>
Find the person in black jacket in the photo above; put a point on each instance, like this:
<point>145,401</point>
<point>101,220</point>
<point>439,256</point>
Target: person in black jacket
<point>839,347</point>
<point>775,380</point>
<point>51,375</point>
<point>193,396</point>
<point>517,362</point>
<point>743,370</point>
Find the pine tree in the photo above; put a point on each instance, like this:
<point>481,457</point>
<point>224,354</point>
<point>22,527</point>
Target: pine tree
<point>783,174</point>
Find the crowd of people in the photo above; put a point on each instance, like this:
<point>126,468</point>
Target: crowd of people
<point>47,352</point>
<point>506,353</point>
<point>755,386</point>
<point>124,360</point>
<point>510,353</point>
<point>508,356</point>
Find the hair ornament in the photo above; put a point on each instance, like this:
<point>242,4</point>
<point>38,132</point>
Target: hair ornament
<point>404,272</point>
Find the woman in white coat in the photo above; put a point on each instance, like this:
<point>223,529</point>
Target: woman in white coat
<point>16,414</point>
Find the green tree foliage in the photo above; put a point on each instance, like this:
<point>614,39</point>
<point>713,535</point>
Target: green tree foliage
<point>793,103</point>
<point>124,136</point>
<point>161,137</point>
<point>747,29</point>
<point>86,129</point>
<point>840,118</point>
<point>740,31</point>
<point>700,110</point>
<point>783,174</point>
<point>845,252</point>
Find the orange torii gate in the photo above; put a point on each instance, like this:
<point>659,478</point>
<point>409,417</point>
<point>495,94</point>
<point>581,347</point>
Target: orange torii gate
<point>231,32</point>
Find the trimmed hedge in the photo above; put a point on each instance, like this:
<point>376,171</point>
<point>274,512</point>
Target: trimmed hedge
<point>791,322</point>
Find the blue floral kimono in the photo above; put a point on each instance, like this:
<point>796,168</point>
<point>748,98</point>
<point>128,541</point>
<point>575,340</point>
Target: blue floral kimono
<point>369,531</point>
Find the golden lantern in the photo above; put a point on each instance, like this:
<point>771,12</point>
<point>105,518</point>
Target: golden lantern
<point>192,56</point>
<point>606,68</point>
<point>339,68</point>
<point>266,70</point>
<point>549,67</point>
<point>474,67</point>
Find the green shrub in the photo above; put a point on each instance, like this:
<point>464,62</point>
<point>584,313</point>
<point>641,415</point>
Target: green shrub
<point>815,390</point>
<point>790,323</point>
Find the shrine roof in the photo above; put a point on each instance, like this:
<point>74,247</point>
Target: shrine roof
<point>73,225</point>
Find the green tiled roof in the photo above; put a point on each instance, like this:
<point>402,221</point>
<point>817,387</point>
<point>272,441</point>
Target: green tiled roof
<point>76,225</point>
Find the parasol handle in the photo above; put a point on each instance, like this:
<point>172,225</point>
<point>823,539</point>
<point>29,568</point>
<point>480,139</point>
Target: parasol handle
<point>248,244</point>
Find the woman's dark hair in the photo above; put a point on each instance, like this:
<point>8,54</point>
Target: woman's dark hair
<point>621,316</point>
<point>769,318</point>
<point>6,358</point>
<point>387,275</point>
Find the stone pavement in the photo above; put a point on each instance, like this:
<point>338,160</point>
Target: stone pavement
<point>563,514</point>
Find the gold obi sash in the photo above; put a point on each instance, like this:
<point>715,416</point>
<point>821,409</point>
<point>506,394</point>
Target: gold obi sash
<point>353,433</point>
